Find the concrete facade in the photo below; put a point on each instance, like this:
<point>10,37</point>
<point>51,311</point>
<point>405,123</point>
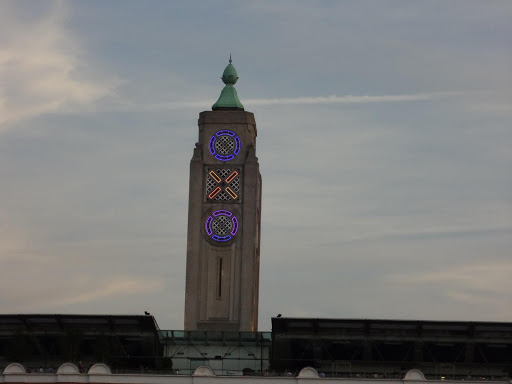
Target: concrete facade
<point>223,241</point>
<point>101,374</point>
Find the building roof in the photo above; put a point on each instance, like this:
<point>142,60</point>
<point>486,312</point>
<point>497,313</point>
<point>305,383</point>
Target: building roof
<point>402,329</point>
<point>48,323</point>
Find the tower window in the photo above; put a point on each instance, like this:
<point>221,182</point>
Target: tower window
<point>219,286</point>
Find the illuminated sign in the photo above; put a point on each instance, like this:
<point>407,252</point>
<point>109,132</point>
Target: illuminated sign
<point>224,145</point>
<point>221,225</point>
<point>223,184</point>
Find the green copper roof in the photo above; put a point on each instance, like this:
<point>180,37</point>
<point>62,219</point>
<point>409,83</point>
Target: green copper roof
<point>228,98</point>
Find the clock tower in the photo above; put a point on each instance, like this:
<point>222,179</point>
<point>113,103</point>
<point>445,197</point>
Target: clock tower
<point>224,210</point>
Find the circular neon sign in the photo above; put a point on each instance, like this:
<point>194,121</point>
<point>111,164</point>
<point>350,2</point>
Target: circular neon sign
<point>221,225</point>
<point>224,145</point>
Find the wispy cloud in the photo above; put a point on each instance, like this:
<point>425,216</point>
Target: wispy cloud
<point>116,286</point>
<point>84,289</point>
<point>468,283</point>
<point>350,99</point>
<point>38,67</point>
<point>333,99</point>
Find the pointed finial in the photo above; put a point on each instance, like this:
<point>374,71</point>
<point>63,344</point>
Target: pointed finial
<point>228,98</point>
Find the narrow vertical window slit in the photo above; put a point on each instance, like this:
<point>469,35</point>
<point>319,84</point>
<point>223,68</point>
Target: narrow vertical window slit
<point>219,293</point>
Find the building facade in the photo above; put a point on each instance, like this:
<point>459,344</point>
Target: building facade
<point>100,374</point>
<point>361,347</point>
<point>223,241</point>
<point>226,353</point>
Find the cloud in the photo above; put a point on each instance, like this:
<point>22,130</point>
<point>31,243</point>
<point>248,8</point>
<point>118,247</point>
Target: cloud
<point>42,280</point>
<point>115,286</point>
<point>488,276</point>
<point>482,283</point>
<point>350,99</point>
<point>84,288</point>
<point>39,66</point>
<point>333,99</point>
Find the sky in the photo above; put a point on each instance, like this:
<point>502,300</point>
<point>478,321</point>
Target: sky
<point>384,142</point>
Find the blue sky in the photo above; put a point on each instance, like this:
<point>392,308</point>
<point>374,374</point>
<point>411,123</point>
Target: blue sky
<point>385,148</point>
